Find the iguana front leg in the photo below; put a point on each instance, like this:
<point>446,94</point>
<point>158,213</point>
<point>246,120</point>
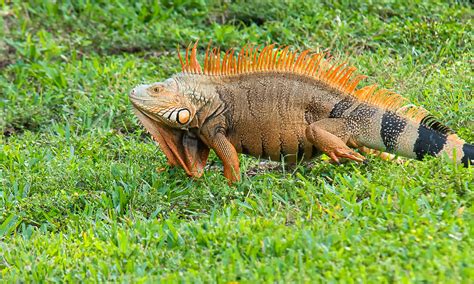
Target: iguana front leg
<point>217,141</point>
<point>332,137</point>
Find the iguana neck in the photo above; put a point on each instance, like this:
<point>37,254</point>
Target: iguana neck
<point>200,90</point>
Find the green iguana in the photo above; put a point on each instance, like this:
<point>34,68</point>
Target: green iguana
<point>274,103</point>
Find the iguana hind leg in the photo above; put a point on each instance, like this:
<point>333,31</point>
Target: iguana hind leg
<point>331,137</point>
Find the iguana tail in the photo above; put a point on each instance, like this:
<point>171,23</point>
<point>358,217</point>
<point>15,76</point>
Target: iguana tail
<point>387,131</point>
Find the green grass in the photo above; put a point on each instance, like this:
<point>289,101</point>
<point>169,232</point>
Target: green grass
<point>80,198</point>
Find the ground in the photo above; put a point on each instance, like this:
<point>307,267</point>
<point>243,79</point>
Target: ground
<point>80,197</point>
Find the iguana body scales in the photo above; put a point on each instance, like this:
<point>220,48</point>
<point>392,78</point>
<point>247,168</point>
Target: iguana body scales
<point>274,103</point>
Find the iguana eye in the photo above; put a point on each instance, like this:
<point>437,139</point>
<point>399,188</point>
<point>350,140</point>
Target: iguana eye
<point>183,116</point>
<point>156,89</point>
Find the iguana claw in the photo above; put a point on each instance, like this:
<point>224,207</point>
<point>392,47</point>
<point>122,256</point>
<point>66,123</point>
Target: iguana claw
<point>345,153</point>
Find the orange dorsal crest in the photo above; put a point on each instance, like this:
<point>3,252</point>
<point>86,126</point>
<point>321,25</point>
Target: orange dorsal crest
<point>340,76</point>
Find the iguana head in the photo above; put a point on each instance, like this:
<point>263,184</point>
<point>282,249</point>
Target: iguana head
<point>166,113</point>
<point>163,103</point>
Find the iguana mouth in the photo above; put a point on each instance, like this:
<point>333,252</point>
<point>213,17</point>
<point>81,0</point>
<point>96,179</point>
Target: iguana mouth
<point>139,105</point>
<point>135,98</point>
<point>138,108</point>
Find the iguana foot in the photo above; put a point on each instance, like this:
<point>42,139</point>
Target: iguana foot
<point>333,145</point>
<point>344,152</point>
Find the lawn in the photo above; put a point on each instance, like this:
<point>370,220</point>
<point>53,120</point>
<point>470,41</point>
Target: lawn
<point>80,197</point>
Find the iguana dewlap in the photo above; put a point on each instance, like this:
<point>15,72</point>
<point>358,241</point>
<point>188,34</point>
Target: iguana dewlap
<point>275,103</point>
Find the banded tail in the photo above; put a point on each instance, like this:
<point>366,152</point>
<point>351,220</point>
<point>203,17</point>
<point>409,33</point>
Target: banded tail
<point>399,135</point>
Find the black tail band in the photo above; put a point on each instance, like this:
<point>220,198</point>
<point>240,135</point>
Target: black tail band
<point>429,142</point>
<point>468,151</point>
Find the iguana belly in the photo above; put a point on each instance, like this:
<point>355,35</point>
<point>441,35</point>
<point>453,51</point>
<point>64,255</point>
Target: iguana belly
<point>271,141</point>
